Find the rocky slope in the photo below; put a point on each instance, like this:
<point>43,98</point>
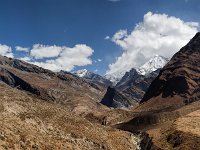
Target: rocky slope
<point>130,90</point>
<point>115,99</point>
<point>127,80</point>
<point>136,88</point>
<point>178,82</point>
<point>170,107</point>
<point>40,109</point>
<point>62,88</point>
<point>134,83</point>
<point>28,122</point>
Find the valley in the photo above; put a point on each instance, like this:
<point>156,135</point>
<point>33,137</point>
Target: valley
<point>41,109</point>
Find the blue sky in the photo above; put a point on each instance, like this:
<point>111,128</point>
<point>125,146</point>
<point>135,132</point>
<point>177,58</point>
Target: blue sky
<point>71,22</point>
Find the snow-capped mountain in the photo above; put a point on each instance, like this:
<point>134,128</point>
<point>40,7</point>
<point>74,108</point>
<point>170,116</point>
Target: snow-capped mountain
<point>92,77</point>
<point>114,77</point>
<point>153,64</point>
<point>82,73</point>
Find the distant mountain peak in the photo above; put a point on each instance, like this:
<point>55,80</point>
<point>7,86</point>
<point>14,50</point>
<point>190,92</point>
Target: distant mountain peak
<point>92,77</point>
<point>114,77</point>
<point>153,64</point>
<point>81,73</point>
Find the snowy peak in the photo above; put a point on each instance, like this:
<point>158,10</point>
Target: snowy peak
<point>114,77</point>
<point>82,73</point>
<point>153,64</point>
<point>92,77</point>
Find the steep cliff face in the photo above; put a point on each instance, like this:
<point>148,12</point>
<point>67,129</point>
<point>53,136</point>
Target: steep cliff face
<point>180,77</point>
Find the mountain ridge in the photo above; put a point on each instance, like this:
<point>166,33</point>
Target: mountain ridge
<point>153,64</point>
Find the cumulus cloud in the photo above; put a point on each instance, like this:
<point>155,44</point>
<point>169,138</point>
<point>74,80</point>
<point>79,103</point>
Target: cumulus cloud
<point>6,51</point>
<point>27,59</point>
<point>65,57</point>
<point>40,51</point>
<point>157,34</point>
<point>22,49</point>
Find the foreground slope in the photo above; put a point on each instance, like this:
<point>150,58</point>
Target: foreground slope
<point>29,122</point>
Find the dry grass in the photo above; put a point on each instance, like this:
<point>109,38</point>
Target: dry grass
<point>28,122</point>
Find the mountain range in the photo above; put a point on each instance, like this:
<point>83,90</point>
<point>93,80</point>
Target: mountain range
<point>156,106</point>
<point>130,88</point>
<point>93,77</point>
<point>151,65</point>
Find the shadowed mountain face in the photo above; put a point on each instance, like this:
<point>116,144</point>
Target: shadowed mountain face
<point>133,85</point>
<point>62,88</point>
<point>114,99</point>
<point>127,80</point>
<point>129,90</point>
<point>180,77</point>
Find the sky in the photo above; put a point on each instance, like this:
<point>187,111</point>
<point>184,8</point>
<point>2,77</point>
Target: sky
<point>103,36</point>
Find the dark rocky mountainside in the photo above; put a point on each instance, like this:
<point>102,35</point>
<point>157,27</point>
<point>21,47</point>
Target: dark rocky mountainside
<point>127,80</point>
<point>63,88</point>
<point>180,77</point>
<point>133,85</point>
<point>169,110</point>
<point>130,90</point>
<point>115,99</point>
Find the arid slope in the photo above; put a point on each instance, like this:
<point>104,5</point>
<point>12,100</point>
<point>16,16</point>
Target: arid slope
<point>29,122</point>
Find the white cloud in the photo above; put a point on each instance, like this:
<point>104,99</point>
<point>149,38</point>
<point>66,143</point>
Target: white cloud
<point>27,59</point>
<point>6,51</point>
<point>67,57</point>
<point>54,57</point>
<point>40,51</point>
<point>157,34</point>
<point>23,49</point>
